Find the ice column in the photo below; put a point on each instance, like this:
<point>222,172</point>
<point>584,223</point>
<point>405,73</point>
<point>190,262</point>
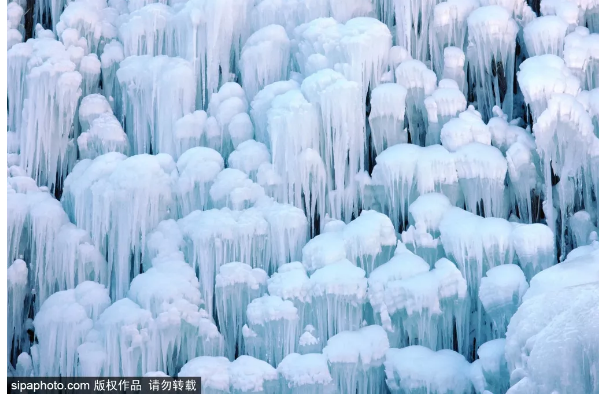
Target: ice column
<point>273,322</point>
<point>338,294</point>
<point>446,102</point>
<point>18,291</point>
<point>413,25</point>
<point>492,34</point>
<point>581,55</point>
<point>237,284</point>
<point>264,59</point>
<point>420,82</point>
<point>388,106</point>
<point>356,360</point>
<point>305,374</point>
<point>545,35</point>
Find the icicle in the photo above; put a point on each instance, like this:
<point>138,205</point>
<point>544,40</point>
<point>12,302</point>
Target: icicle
<point>145,31</point>
<point>545,35</point>
<point>445,103</point>
<point>338,295</point>
<point>339,104</point>
<point>156,92</point>
<point>449,29</point>
<point>455,67</point>
<point>62,324</point>
<point>482,170</point>
<point>197,168</point>
<point>237,284</point>
<point>500,293</point>
<point>104,135</point>
<point>18,291</point>
<point>274,322</point>
<point>491,368</point>
<point>420,82</point>
<point>90,68</point>
<point>565,118</point>
<point>305,374</point>
<point>264,59</point>
<point>388,107</point>
<point>413,25</point>
<point>537,89</point>
<point>112,56</point>
<point>535,248</point>
<point>492,36</point>
<point>356,360</point>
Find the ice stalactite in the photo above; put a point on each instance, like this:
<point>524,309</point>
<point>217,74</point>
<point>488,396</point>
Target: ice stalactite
<point>356,360</point>
<point>156,92</point>
<point>500,292</point>
<point>444,103</point>
<point>111,57</point>
<point>233,189</point>
<point>128,197</point>
<point>441,372</point>
<point>17,60</point>
<point>208,34</point>
<point>74,260</point>
<point>180,329</point>
<point>388,107</point>
<point>145,31</point>
<point>338,294</point>
<point>305,374</point>
<point>590,101</point>
<point>290,282</point>
<point>237,284</point>
<point>492,39</point>
<point>197,170</point>
<point>535,248</point>
<point>482,170</point>
<point>264,59</point>
<point>489,373</point>
<point>260,105</point>
<point>455,67</point>
<point>418,306</point>
<point>104,135</point>
<point>213,370</point>
<point>51,95</point>
<point>61,327</point>
<point>524,177</point>
<point>581,55</point>
<point>90,68</point>
<point>422,235</point>
<point>17,287</point>
<point>545,35</point>
<point>413,25</point>
<point>342,135</point>
<point>565,118</point>
<point>228,124</point>
<point>465,129</point>
<point>48,11</point>
<point>541,77</point>
<point>292,113</point>
<point>248,157</point>
<point>273,322</point>
<point>420,82</point>
<point>368,241</point>
<point>406,171</point>
<point>448,29</point>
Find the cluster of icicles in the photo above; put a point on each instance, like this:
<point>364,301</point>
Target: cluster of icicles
<point>319,196</point>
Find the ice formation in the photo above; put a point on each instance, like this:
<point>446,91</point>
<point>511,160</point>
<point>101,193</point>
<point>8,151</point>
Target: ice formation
<point>305,196</point>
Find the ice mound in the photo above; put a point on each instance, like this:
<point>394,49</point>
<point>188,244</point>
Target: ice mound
<point>581,55</point>
<point>535,248</point>
<point>489,373</point>
<point>468,127</point>
<point>248,157</point>
<point>444,103</point>
<point>417,369</point>
<point>356,360</point>
<point>17,278</point>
